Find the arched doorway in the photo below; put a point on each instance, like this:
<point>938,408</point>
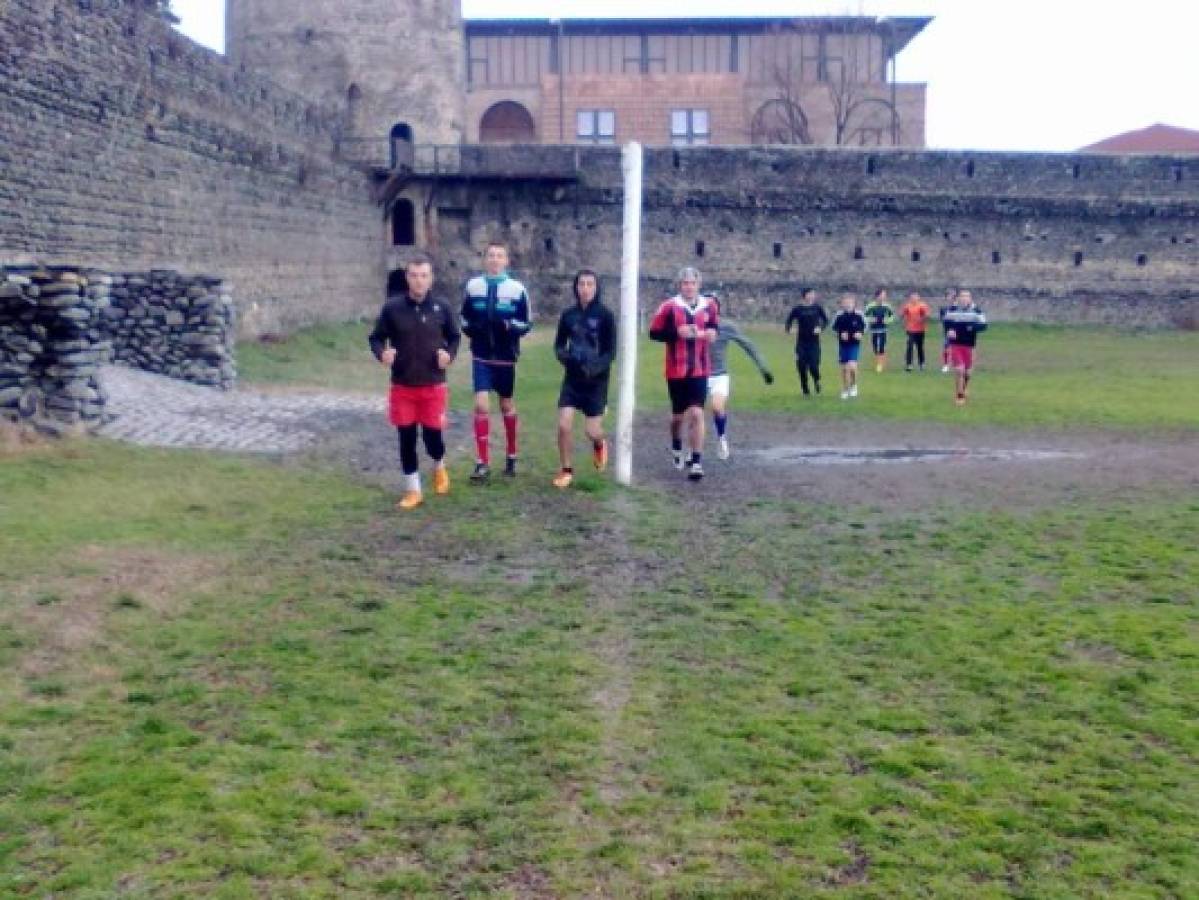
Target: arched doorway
<point>507,122</point>
<point>353,110</point>
<point>401,145</point>
<point>403,223</point>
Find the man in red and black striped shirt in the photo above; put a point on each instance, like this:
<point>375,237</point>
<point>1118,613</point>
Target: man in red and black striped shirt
<point>687,324</point>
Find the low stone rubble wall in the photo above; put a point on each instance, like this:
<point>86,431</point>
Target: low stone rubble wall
<point>59,325</point>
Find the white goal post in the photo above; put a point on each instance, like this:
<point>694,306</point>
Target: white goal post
<point>630,273</point>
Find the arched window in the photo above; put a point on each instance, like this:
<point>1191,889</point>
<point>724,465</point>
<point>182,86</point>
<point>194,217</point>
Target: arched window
<point>403,223</point>
<point>401,145</point>
<point>507,122</point>
<point>780,122</point>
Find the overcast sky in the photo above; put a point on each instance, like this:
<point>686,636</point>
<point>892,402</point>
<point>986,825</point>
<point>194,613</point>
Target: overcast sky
<point>1002,74</point>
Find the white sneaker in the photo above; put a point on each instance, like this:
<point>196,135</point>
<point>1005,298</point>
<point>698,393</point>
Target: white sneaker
<point>944,370</point>
<point>678,459</point>
<point>845,395</point>
<point>722,449</point>
<point>853,391</point>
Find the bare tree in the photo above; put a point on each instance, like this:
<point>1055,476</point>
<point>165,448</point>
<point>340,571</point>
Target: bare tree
<point>860,108</point>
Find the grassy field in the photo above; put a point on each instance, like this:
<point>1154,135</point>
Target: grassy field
<point>230,677</point>
<point>1028,376</point>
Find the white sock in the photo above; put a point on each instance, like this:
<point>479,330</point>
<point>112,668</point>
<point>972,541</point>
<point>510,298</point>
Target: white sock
<point>412,482</point>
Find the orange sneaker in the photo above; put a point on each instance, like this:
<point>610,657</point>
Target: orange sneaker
<point>441,481</point>
<point>564,479</point>
<point>410,500</point>
<point>599,456</point>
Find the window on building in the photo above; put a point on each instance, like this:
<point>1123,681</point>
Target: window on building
<point>595,126</point>
<point>689,128</point>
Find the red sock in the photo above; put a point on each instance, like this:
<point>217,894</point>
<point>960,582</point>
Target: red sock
<point>483,437</point>
<point>510,423</point>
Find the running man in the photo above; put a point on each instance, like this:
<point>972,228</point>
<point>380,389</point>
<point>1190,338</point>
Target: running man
<point>950,306</point>
<point>687,324</point>
<point>585,345</point>
<point>811,320</point>
<point>915,313</point>
<point>495,316</point>
<point>879,315</point>
<point>962,327</point>
<point>849,327</point>
<point>720,383</point>
<point>417,338</point>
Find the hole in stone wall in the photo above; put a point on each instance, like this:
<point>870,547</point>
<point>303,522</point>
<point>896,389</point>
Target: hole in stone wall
<point>1078,259</point>
<point>915,256</point>
<point>858,253</point>
<point>996,259</point>
<point>1142,259</point>
<point>151,133</point>
<point>308,36</point>
<point>871,164</point>
<point>778,250</point>
<point>970,169</point>
<point>1178,173</point>
<point>549,245</point>
<point>1077,170</point>
<point>1174,239</point>
<point>699,248</point>
<point>676,159</point>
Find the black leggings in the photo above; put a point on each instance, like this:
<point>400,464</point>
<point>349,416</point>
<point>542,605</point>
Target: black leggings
<point>878,340</point>
<point>807,362</point>
<point>915,342</point>
<point>434,444</point>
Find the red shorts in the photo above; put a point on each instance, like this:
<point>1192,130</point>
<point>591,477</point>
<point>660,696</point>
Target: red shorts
<point>424,406</point>
<point>961,357</point>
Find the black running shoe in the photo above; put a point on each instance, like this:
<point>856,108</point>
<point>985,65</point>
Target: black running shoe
<point>481,474</point>
<point>510,467</point>
<point>695,471</point>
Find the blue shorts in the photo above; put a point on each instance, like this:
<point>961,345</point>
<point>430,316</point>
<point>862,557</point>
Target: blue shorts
<point>848,353</point>
<point>498,377</point>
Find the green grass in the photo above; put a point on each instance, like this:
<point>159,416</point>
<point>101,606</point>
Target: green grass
<point>1028,376</point>
<point>227,677</point>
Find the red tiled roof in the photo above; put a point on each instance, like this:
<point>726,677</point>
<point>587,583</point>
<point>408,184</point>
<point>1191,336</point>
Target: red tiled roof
<point>1154,139</point>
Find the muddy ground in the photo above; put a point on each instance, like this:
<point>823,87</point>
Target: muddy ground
<point>815,461</point>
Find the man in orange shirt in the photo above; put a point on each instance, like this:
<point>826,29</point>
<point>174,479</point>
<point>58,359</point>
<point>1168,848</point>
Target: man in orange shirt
<point>915,313</point>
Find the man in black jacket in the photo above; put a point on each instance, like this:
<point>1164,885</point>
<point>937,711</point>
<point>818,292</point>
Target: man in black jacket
<point>810,319</point>
<point>417,337</point>
<point>585,344</point>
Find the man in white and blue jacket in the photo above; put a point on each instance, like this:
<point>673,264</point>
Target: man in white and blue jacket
<point>495,316</point>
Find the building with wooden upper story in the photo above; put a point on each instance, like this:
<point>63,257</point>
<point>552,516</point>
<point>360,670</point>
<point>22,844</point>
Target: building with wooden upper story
<point>689,82</point>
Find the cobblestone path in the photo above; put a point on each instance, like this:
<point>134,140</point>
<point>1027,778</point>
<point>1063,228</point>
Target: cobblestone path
<point>156,411</point>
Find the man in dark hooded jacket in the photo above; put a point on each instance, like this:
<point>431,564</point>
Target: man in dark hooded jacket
<point>585,344</point>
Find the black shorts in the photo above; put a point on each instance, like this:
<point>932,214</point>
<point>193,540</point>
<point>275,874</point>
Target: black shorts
<point>588,397</point>
<point>686,393</point>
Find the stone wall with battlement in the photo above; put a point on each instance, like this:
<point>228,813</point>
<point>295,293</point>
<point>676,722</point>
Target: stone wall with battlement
<point>1046,237</point>
<point>124,146</point>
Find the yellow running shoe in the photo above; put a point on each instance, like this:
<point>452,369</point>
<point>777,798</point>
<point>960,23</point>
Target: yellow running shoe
<point>564,479</point>
<point>599,456</point>
<point>410,500</point>
<point>441,480</point>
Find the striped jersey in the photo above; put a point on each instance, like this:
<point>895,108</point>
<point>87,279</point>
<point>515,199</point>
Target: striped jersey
<point>685,357</point>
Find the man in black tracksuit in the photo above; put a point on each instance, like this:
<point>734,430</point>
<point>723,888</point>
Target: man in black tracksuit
<point>585,344</point>
<point>811,320</point>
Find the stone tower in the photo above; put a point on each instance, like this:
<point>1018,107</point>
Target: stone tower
<point>387,63</point>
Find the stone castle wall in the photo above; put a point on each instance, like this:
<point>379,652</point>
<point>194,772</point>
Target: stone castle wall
<point>59,325</point>
<point>1045,237</point>
<point>124,146</point>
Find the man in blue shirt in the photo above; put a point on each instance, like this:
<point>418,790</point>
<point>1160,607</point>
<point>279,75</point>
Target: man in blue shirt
<point>495,316</point>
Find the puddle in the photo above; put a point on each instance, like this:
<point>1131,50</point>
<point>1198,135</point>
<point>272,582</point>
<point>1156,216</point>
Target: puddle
<point>833,456</point>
